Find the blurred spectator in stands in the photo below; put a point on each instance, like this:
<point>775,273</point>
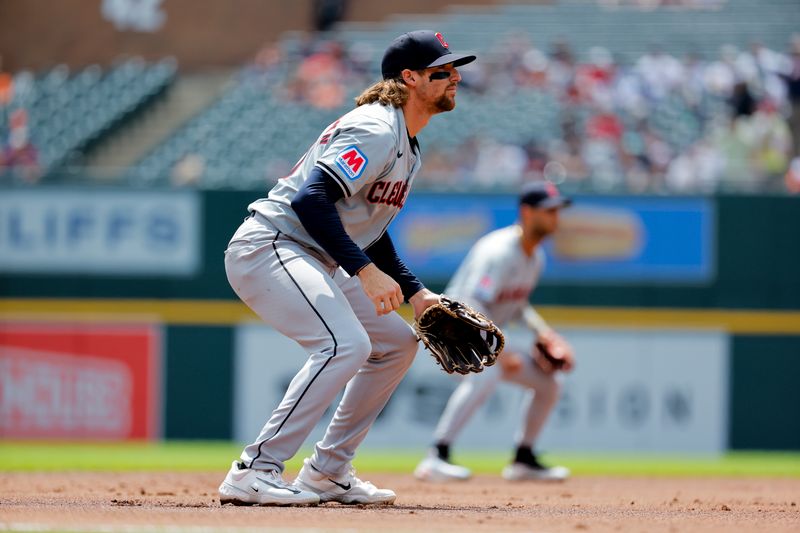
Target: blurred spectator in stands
<point>693,86</point>
<point>508,69</point>
<point>657,153</point>
<point>741,100</point>
<point>533,71</point>
<point>697,170</point>
<point>604,124</point>
<point>792,177</point>
<point>537,160</point>
<point>360,61</point>
<point>476,77</point>
<point>569,154</point>
<point>188,170</point>
<point>660,72</point>
<point>720,75</point>
<point>499,163</point>
<point>6,86</point>
<point>19,158</point>
<point>326,13</point>
<point>321,78</point>
<point>791,76</point>
<point>594,79</point>
<point>772,142</point>
<point>760,67</point>
<point>24,88</point>
<point>733,143</point>
<point>605,169</point>
<point>629,91</point>
<point>267,67</point>
<point>561,68</point>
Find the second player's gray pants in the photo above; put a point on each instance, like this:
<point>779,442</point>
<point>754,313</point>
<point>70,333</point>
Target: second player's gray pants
<point>475,389</point>
<point>330,316</point>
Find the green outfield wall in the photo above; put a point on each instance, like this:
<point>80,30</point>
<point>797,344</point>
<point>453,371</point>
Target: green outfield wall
<point>747,287</point>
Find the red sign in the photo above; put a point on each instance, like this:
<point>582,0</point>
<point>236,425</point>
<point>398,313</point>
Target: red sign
<point>79,381</point>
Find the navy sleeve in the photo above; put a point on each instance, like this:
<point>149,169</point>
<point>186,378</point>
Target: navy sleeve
<point>385,257</point>
<point>314,205</point>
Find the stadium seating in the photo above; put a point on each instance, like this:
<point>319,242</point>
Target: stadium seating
<point>251,135</point>
<point>67,111</point>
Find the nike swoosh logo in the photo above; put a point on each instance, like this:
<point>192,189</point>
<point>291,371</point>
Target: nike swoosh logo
<point>340,485</point>
<point>399,155</point>
<point>265,482</point>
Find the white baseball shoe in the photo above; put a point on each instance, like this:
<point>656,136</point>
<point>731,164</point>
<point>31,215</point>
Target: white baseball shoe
<point>343,489</point>
<point>433,468</point>
<point>525,471</point>
<point>246,486</point>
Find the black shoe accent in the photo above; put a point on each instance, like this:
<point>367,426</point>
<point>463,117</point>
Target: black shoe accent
<point>526,456</point>
<point>443,452</point>
<point>340,485</point>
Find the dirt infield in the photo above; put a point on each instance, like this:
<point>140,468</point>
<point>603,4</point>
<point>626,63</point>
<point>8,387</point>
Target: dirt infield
<point>136,501</point>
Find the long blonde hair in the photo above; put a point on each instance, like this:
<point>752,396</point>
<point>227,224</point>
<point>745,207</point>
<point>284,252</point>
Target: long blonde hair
<point>387,92</point>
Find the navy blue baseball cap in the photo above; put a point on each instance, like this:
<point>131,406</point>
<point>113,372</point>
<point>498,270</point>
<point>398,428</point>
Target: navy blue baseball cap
<point>543,195</point>
<point>417,50</point>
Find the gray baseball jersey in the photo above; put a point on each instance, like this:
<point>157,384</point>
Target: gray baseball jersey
<point>497,276</point>
<point>368,153</point>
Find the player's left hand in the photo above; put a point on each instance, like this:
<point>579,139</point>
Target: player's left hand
<point>422,300</point>
<point>551,352</point>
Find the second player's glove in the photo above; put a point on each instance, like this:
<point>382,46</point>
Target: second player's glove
<point>552,352</point>
<point>459,338</point>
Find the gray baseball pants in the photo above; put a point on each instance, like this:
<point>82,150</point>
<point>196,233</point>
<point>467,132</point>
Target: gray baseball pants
<point>348,344</point>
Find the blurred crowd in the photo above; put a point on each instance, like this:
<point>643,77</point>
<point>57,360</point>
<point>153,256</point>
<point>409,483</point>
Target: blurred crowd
<point>19,158</point>
<point>652,123</point>
<point>655,4</point>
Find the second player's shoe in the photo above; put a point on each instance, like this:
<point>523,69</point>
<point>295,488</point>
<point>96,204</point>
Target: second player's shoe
<point>526,466</point>
<point>343,489</point>
<point>246,486</point>
<point>433,468</point>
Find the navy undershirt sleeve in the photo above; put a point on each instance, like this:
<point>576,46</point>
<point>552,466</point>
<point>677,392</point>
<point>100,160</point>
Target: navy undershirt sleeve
<point>385,257</point>
<point>314,205</point>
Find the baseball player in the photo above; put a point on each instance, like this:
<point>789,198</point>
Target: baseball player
<point>315,262</point>
<point>496,278</point>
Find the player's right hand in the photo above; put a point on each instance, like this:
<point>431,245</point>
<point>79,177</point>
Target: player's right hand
<point>510,362</point>
<point>384,291</point>
<point>552,352</point>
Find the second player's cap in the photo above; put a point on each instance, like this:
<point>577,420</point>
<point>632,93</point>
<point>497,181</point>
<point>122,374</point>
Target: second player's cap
<point>543,195</point>
<point>417,50</point>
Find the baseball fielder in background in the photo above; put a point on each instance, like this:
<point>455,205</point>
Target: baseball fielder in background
<point>315,262</point>
<point>496,278</point>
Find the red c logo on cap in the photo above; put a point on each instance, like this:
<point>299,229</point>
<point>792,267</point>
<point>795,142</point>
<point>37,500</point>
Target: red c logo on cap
<point>441,39</point>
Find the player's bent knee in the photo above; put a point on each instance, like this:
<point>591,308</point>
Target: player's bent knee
<point>358,347</point>
<point>551,391</point>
